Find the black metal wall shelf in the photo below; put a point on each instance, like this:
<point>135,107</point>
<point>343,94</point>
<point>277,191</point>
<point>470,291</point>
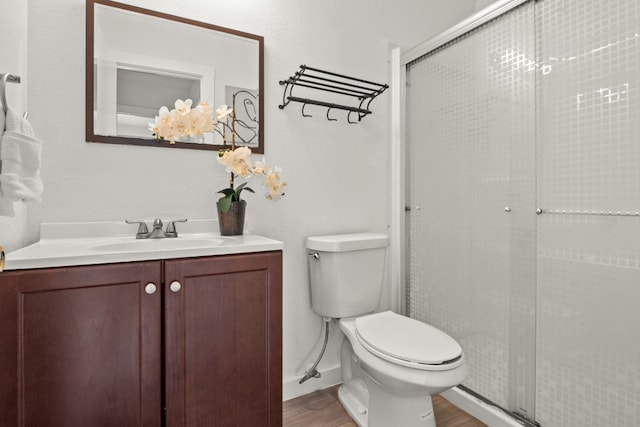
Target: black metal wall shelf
<point>313,78</point>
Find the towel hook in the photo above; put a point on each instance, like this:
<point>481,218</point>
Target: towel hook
<point>329,118</point>
<point>303,113</point>
<point>349,118</point>
<point>4,79</point>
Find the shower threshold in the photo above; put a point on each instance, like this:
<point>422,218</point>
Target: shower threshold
<point>485,410</point>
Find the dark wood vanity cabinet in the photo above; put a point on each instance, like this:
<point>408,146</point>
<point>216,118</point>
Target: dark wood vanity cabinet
<point>80,346</point>
<point>185,342</point>
<point>223,341</point>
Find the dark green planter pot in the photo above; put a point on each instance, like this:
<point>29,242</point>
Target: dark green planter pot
<point>232,222</point>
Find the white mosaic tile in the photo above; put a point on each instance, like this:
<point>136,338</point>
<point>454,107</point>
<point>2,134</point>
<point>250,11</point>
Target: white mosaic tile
<point>545,307</point>
<point>588,370</point>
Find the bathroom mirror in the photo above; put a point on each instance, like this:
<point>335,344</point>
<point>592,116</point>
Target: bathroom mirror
<point>139,60</point>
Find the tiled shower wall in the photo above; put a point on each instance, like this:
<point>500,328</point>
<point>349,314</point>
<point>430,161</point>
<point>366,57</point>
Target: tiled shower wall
<point>538,108</point>
<point>588,305</point>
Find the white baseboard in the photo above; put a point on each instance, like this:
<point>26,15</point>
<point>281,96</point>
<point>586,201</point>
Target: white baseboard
<point>491,416</point>
<point>328,377</point>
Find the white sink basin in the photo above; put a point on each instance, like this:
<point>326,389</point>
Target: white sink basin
<point>158,244</point>
<point>89,243</point>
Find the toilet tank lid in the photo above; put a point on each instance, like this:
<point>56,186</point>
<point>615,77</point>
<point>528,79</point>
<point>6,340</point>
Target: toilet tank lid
<point>347,242</point>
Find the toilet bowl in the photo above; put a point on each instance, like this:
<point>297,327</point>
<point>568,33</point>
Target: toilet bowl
<point>391,364</point>
<point>400,362</point>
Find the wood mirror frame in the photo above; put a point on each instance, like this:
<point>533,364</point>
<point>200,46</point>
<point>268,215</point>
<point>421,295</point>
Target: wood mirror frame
<point>93,136</point>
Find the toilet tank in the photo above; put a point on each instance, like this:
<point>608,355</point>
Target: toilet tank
<point>346,273</point>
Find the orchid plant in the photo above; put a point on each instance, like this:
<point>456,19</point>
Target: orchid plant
<point>238,163</point>
<point>185,121</point>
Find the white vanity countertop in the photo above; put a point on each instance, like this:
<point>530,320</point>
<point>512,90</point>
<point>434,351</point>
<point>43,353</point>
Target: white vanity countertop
<point>67,244</point>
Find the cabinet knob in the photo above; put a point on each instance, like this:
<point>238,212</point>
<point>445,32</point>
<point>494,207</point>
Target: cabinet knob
<point>150,288</point>
<point>175,286</point>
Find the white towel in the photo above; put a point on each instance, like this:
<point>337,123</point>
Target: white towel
<point>20,160</point>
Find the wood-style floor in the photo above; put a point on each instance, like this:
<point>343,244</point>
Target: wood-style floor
<point>322,409</point>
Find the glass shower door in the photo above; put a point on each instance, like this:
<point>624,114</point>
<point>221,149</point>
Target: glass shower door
<point>588,368</point>
<point>470,144</point>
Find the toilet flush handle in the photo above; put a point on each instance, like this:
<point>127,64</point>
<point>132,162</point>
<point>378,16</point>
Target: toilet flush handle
<point>315,255</point>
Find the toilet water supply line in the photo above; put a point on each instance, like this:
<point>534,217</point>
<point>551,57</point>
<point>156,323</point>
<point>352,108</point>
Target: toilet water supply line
<point>313,372</point>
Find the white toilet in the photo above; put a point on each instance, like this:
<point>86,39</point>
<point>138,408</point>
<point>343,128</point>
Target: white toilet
<point>391,364</point>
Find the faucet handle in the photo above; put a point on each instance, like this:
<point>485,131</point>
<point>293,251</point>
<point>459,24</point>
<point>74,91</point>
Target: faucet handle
<point>143,231</point>
<point>171,228</point>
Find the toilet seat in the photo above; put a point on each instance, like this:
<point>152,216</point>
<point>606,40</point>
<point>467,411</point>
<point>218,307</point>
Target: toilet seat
<point>408,342</point>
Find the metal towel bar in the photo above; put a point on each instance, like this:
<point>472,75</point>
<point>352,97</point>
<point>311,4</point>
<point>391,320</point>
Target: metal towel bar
<point>4,79</point>
<point>325,81</point>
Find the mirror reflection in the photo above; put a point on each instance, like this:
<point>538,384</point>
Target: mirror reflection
<point>140,60</point>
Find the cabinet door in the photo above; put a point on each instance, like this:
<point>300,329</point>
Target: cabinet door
<point>223,342</point>
<point>81,346</point>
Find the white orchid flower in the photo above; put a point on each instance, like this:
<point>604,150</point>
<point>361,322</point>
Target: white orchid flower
<point>260,168</point>
<point>273,185</point>
<point>205,107</point>
<point>237,162</point>
<point>222,112</point>
<point>183,107</point>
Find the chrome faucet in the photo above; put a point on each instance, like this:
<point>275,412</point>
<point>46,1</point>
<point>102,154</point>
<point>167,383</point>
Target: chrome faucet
<point>143,231</point>
<point>171,228</point>
<point>157,232</point>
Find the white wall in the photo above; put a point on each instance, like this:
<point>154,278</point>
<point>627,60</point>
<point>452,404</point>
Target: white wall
<point>481,4</point>
<point>21,229</point>
<point>338,173</point>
